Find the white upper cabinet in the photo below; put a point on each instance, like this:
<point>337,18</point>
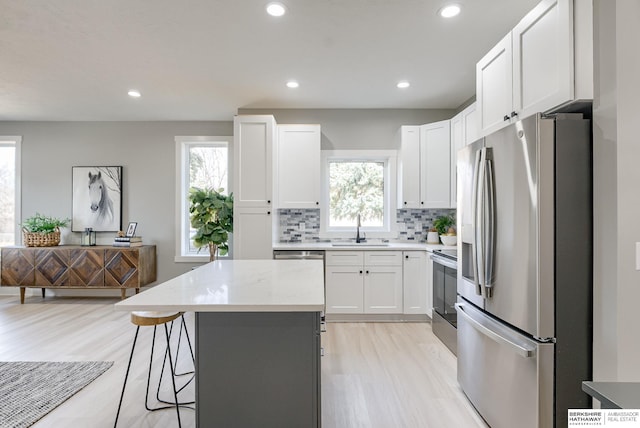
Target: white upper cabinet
<point>409,167</point>
<point>424,166</point>
<point>253,169</point>
<point>298,166</point>
<point>470,125</point>
<point>545,62</point>
<point>464,130</point>
<point>494,87</point>
<point>435,164</point>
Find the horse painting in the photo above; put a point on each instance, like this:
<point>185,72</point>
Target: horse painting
<point>97,198</point>
<point>101,203</point>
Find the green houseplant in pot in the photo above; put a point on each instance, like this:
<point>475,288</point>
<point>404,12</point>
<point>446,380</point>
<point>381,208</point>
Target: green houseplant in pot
<point>445,226</point>
<point>211,214</point>
<point>42,231</point>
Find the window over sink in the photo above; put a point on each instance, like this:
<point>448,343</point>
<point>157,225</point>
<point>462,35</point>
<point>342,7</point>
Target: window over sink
<point>358,182</point>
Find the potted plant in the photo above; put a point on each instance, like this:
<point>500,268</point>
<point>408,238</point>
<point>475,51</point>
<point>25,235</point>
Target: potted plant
<point>42,231</point>
<point>445,226</point>
<point>211,214</point>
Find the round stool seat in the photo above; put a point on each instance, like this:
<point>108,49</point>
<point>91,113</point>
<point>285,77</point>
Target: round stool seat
<point>146,318</point>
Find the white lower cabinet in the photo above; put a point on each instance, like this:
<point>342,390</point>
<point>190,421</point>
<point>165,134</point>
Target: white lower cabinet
<point>252,238</point>
<point>359,282</point>
<point>414,269</point>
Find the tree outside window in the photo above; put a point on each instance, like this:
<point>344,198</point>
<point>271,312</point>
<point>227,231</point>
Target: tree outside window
<point>356,188</point>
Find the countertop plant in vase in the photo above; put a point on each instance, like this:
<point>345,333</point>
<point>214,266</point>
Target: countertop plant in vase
<point>445,226</point>
<point>211,214</point>
<point>42,231</point>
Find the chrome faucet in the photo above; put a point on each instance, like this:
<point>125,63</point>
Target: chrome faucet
<point>358,239</point>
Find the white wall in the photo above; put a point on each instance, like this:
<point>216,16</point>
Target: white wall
<point>374,129</point>
<point>146,150</point>
<point>616,196</point>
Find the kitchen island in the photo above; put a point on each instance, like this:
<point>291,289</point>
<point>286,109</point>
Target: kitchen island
<point>257,339</point>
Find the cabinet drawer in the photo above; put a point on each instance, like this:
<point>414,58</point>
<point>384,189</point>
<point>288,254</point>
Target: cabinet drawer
<point>383,258</point>
<point>344,258</point>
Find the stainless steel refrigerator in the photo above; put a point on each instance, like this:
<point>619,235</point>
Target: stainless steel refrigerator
<point>525,271</point>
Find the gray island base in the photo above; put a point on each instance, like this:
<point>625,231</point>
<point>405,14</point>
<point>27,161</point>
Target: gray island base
<point>257,339</point>
<point>258,369</point>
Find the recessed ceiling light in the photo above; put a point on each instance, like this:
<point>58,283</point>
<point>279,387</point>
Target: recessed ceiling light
<point>449,11</point>
<point>276,9</point>
<point>292,84</point>
<point>403,84</point>
<point>134,94</point>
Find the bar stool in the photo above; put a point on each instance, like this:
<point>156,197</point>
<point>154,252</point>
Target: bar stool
<point>142,319</point>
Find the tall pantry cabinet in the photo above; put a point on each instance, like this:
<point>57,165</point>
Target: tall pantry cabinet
<point>253,139</point>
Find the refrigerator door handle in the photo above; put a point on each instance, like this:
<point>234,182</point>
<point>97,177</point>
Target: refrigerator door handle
<point>495,336</point>
<point>474,222</point>
<point>489,225</point>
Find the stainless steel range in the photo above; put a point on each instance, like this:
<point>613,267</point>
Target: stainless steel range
<point>444,320</point>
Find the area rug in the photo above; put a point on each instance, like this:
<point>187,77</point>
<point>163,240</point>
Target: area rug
<point>30,390</point>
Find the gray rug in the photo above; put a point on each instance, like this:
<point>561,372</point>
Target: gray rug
<point>30,390</point>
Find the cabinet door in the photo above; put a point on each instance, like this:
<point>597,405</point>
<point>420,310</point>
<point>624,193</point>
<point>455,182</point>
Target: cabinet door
<point>344,289</point>
<point>252,237</point>
<point>383,258</point>
<point>543,58</point>
<point>253,143</point>
<point>409,186</point>
<point>494,98</point>
<point>414,282</point>
<point>470,124</point>
<point>429,282</point>
<point>457,142</point>
<point>435,158</point>
<point>298,166</point>
<point>383,290</point>
<point>344,258</point>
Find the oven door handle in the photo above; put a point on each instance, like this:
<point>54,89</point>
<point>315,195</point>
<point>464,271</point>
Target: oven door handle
<point>444,262</point>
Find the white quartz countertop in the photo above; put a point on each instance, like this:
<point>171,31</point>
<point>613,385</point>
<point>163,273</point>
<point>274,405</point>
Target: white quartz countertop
<point>390,246</point>
<point>238,286</point>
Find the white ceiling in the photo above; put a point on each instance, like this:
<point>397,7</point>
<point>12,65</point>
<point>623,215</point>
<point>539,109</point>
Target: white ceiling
<point>204,59</point>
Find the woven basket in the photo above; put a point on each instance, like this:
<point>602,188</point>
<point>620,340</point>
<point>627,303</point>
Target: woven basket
<point>39,239</point>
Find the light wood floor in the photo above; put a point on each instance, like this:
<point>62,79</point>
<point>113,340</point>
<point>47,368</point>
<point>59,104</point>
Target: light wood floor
<point>387,375</point>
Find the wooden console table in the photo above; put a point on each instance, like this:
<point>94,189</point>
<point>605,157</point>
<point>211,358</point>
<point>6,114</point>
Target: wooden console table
<point>72,266</point>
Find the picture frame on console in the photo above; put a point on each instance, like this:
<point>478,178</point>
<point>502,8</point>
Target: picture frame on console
<point>96,198</point>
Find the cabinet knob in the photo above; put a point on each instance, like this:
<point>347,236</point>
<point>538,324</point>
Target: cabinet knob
<point>268,212</point>
<point>269,201</point>
<point>360,272</point>
<point>405,202</point>
<point>422,203</point>
<point>514,114</point>
<point>506,118</point>
<point>367,272</point>
<point>317,203</point>
<point>406,257</point>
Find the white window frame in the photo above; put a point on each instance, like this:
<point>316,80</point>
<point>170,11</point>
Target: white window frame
<point>389,159</point>
<point>16,141</point>
<point>183,144</point>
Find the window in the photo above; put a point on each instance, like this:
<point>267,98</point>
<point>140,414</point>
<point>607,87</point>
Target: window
<point>9,190</point>
<point>358,183</point>
<point>200,162</point>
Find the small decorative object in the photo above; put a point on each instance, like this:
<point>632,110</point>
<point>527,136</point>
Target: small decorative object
<point>131,229</point>
<point>445,226</point>
<point>432,236</point>
<point>97,198</point>
<point>211,214</point>
<point>120,234</point>
<point>88,237</point>
<point>42,231</point>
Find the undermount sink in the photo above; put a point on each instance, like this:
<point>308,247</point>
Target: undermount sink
<point>360,244</point>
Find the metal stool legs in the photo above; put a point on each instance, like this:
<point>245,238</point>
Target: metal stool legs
<point>173,404</point>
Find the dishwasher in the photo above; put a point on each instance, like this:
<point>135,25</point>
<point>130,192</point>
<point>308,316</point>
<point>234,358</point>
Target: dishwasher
<point>304,255</point>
